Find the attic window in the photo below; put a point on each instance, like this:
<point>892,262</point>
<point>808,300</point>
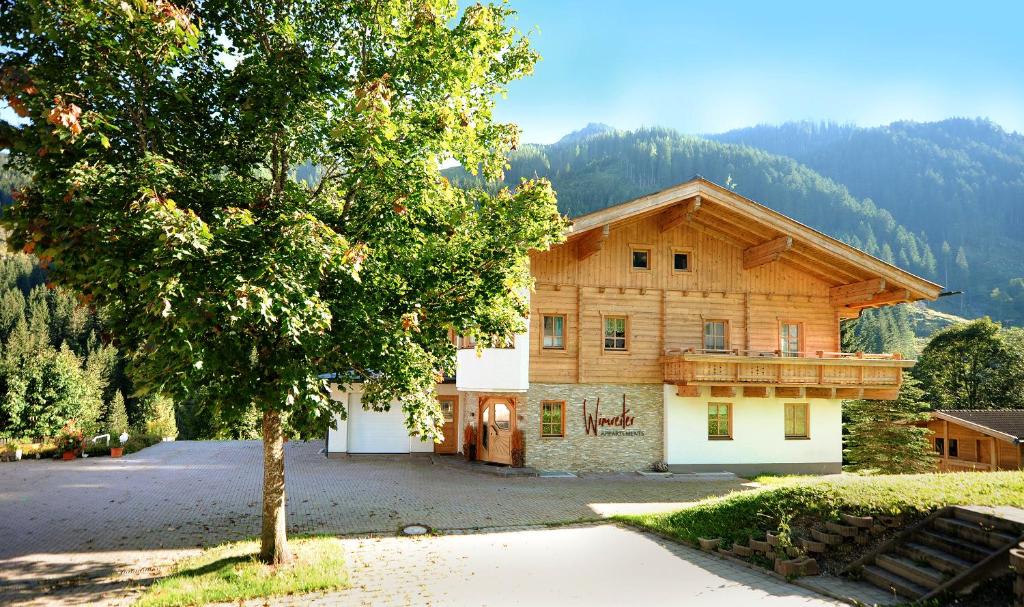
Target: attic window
<point>641,258</point>
<point>680,261</point>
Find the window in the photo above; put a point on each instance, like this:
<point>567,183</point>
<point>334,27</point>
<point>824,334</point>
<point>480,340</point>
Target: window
<point>641,259</point>
<point>615,333</point>
<point>940,446</point>
<point>719,421</point>
<point>552,419</point>
<point>680,261</point>
<point>448,409</point>
<point>502,416</point>
<point>954,448</point>
<point>714,335</point>
<point>789,338</point>
<point>554,332</point>
<point>796,420</point>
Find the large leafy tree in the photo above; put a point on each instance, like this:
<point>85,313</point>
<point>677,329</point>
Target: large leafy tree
<point>162,142</point>
<point>974,365</point>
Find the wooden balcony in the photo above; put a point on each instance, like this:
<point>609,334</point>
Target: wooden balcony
<point>807,375</point>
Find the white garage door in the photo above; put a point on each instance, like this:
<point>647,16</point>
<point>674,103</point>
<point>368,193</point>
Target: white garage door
<point>376,431</point>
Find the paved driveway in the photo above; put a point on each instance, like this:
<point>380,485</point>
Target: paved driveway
<point>89,518</point>
<point>589,566</point>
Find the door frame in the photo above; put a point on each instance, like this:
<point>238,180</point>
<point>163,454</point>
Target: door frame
<point>481,405</point>
<point>454,447</point>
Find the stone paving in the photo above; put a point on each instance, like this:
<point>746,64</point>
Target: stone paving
<point>590,566</point>
<point>68,528</point>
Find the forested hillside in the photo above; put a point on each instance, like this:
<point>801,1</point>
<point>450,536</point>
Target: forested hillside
<point>959,184</point>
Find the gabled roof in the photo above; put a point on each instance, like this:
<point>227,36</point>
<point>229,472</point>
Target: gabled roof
<point>1007,424</point>
<point>859,280</point>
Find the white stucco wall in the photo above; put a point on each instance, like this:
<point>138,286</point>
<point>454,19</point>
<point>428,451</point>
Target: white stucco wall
<point>495,369</point>
<point>758,432</point>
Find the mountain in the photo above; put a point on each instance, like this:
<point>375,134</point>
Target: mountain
<point>592,128</point>
<point>958,184</point>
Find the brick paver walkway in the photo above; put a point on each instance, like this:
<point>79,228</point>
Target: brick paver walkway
<point>63,522</point>
<point>588,566</point>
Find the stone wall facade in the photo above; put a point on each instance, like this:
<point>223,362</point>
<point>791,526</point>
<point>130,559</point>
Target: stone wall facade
<point>613,448</point>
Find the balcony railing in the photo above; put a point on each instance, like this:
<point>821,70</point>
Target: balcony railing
<point>824,374</point>
<point>954,464</point>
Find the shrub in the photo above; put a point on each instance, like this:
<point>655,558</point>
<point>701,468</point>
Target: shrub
<point>158,412</point>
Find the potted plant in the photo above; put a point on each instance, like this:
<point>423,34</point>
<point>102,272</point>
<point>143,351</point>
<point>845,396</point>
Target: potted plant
<point>118,451</point>
<point>69,441</point>
<point>118,418</point>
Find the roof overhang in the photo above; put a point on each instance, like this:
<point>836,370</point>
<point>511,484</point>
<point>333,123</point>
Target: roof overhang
<point>858,280</point>
<point>975,426</point>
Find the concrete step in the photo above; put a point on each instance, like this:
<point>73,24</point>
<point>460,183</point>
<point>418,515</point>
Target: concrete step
<point>973,532</point>
<point>890,582</point>
<point>987,520</point>
<point>937,558</point>
<point>920,574</point>
<point>968,551</point>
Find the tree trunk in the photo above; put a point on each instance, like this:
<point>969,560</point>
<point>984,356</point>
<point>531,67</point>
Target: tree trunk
<point>274,539</point>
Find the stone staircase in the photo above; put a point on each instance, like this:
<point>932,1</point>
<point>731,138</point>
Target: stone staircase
<point>951,550</point>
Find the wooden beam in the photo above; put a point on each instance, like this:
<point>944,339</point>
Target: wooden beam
<point>687,390</point>
<point>883,299</point>
<point>857,292</point>
<point>591,242</point>
<point>679,214</point>
<point>723,392</point>
<point>766,252</point>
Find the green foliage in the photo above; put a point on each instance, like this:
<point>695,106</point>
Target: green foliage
<point>117,416</point>
<point>955,184</point>
<point>882,435</point>
<point>745,514</point>
<point>158,416</point>
<point>975,365</point>
<point>888,329</point>
<point>161,144</point>
<point>231,573</point>
<point>53,367</point>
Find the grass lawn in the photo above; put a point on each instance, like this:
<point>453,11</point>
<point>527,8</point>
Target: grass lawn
<point>741,515</point>
<point>230,572</point>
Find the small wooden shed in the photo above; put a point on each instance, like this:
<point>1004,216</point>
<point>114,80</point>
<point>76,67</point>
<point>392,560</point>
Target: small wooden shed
<point>977,440</point>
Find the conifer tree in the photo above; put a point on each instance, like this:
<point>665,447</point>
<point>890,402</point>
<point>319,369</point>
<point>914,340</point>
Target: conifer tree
<point>882,435</point>
<point>117,416</point>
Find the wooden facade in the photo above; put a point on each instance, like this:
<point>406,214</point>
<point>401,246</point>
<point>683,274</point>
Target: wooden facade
<point>746,268</point>
<point>962,446</point>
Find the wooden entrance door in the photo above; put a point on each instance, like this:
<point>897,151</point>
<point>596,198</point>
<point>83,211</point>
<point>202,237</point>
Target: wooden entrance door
<point>450,430</point>
<point>494,440</point>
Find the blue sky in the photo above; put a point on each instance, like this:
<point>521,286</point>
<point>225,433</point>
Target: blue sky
<point>705,67</point>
